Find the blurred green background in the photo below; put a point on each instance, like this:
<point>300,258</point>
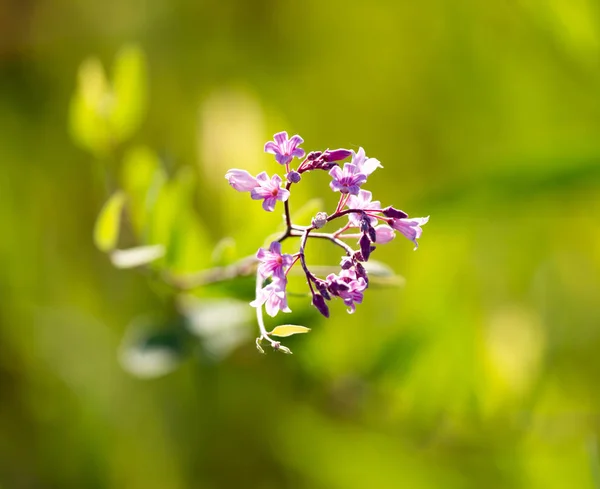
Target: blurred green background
<point>480,371</point>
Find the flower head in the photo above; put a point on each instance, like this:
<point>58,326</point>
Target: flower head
<point>285,149</point>
<point>348,180</point>
<point>273,262</point>
<point>270,190</point>
<point>348,287</point>
<point>410,227</point>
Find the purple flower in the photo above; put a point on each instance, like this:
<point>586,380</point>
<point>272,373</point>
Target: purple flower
<point>365,165</point>
<point>348,287</point>
<point>273,297</point>
<point>241,180</point>
<point>348,180</point>
<point>384,234</point>
<point>270,190</point>
<point>410,227</point>
<point>273,262</point>
<point>362,201</point>
<point>285,149</point>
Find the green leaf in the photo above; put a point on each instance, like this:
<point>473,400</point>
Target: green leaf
<point>106,231</point>
<point>288,330</point>
<point>130,88</point>
<point>135,257</point>
<point>143,178</point>
<point>89,108</point>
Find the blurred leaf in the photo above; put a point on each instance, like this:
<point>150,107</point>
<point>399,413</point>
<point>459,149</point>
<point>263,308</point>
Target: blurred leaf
<point>176,224</point>
<point>222,324</point>
<point>90,105</point>
<point>106,231</point>
<point>152,348</point>
<point>225,252</point>
<point>130,92</point>
<point>383,275</point>
<point>135,257</point>
<point>143,179</point>
<point>288,330</point>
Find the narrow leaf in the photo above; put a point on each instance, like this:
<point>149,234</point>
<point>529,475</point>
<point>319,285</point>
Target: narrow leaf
<point>106,231</point>
<point>130,90</point>
<point>135,257</point>
<point>288,330</point>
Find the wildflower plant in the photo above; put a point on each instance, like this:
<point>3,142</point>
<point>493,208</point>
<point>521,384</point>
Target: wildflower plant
<point>149,223</point>
<point>362,220</point>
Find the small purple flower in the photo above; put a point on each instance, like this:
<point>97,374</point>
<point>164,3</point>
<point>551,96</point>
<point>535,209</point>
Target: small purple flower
<point>285,149</point>
<point>348,287</point>
<point>241,180</point>
<point>348,180</point>
<point>384,234</point>
<point>273,297</point>
<point>362,201</point>
<point>410,227</point>
<point>270,190</point>
<point>273,262</point>
<point>365,165</point>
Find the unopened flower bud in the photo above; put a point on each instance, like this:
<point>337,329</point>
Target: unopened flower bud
<point>293,176</point>
<point>365,246</point>
<point>336,155</point>
<point>372,233</point>
<point>319,220</point>
<point>347,262</point>
<point>394,213</point>
<point>319,302</point>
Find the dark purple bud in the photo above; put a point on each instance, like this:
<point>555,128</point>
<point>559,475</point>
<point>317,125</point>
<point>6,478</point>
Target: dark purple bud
<point>365,246</point>
<point>347,262</point>
<point>319,220</point>
<point>365,224</point>
<point>336,155</point>
<point>336,287</point>
<point>372,233</point>
<point>361,272</point>
<point>319,302</point>
<point>293,176</point>
<point>358,256</point>
<point>313,155</point>
<point>395,213</point>
<point>321,286</point>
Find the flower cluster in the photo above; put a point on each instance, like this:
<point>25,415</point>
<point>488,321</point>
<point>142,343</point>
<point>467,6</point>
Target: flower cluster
<point>367,222</point>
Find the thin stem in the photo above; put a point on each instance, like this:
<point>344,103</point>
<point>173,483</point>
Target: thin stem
<point>309,275</point>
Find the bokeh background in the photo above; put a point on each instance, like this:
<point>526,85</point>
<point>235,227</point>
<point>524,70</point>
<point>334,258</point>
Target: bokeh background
<point>480,370</point>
